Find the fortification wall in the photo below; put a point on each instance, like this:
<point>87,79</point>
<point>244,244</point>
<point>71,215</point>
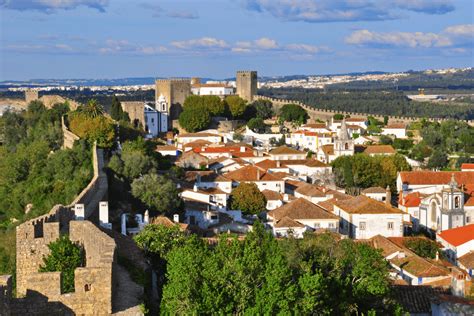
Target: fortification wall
<point>68,137</point>
<point>246,82</point>
<point>135,110</point>
<point>51,99</point>
<point>5,294</point>
<point>93,283</point>
<point>326,114</point>
<point>31,95</point>
<point>175,91</point>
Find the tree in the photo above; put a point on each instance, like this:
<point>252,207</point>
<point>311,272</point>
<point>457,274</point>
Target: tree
<point>214,105</point>
<point>385,140</point>
<point>248,198</point>
<point>92,109</point>
<point>94,129</point>
<point>116,111</point>
<point>156,192</point>
<point>256,124</point>
<point>438,159</point>
<point>194,119</point>
<point>159,240</point>
<point>236,105</point>
<point>65,256</point>
<point>264,109</point>
<point>423,247</point>
<point>338,116</point>
<point>293,113</point>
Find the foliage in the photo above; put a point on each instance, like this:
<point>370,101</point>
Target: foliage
<point>194,119</point>
<point>263,109</point>
<point>92,109</point>
<point>377,102</point>
<point>423,247</point>
<point>338,116</point>
<point>236,105</point>
<point>248,198</point>
<point>116,111</point>
<point>238,137</point>
<point>157,192</point>
<point>209,103</point>
<point>363,171</point>
<point>293,113</point>
<point>402,144</point>
<point>93,128</point>
<point>158,240</point>
<point>263,276</point>
<point>256,124</point>
<point>65,256</point>
<point>438,160</point>
<point>385,140</point>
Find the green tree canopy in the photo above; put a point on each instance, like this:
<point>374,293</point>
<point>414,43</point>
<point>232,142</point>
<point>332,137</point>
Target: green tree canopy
<point>157,192</point>
<point>194,119</point>
<point>423,247</point>
<point>256,124</point>
<point>438,160</point>
<point>236,105</point>
<point>264,109</point>
<point>93,128</point>
<point>248,198</point>
<point>116,111</point>
<point>293,113</point>
<point>65,256</point>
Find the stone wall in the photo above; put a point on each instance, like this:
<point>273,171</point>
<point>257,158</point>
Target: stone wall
<point>175,91</point>
<point>326,114</point>
<point>31,95</point>
<point>246,82</point>
<point>68,137</point>
<point>5,294</point>
<point>135,110</point>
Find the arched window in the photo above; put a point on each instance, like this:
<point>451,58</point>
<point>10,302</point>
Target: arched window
<point>346,146</point>
<point>456,202</point>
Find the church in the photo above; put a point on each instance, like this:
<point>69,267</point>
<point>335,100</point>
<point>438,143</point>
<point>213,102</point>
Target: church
<point>343,146</point>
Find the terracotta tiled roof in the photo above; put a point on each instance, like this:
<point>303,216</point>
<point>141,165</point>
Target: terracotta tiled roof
<point>469,201</point>
<point>301,209</point>
<point>190,153</point>
<point>315,125</point>
<point>411,199</point>
<point>459,235</point>
<point>467,260</point>
<point>396,125</point>
<point>310,190</point>
<point>272,195</point>
<point>250,173</point>
<point>285,150</point>
<point>197,143</point>
<point>222,149</point>
<point>380,149</point>
<point>287,222</point>
<point>467,166</point>
<point>436,177</point>
<point>419,267</point>
<point>197,135</point>
<point>383,243</point>
<point>374,190</point>
<point>416,300</point>
<point>243,155</point>
<point>328,149</point>
<point>329,204</point>
<point>365,205</point>
<point>165,221</point>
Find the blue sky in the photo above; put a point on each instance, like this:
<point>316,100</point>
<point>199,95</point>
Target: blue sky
<point>214,38</point>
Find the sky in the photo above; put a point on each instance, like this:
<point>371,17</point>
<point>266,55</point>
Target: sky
<point>96,39</point>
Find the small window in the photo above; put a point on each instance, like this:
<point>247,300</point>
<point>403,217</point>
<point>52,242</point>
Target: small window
<point>214,217</point>
<point>331,225</point>
<point>317,225</point>
<point>456,202</point>
<point>468,219</point>
<point>87,287</point>
<point>390,225</point>
<point>152,121</point>
<point>362,225</point>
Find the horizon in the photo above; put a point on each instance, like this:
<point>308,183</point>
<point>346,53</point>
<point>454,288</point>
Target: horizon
<point>106,39</point>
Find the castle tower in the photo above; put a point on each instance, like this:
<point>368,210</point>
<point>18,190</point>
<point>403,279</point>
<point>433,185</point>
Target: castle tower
<point>343,145</point>
<point>175,92</point>
<point>246,82</point>
<point>31,95</point>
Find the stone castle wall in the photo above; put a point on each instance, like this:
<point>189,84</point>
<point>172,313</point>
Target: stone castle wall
<point>326,114</point>
<point>31,95</point>
<point>135,110</point>
<point>49,100</point>
<point>68,137</point>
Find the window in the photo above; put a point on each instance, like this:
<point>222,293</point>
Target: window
<point>317,225</point>
<point>456,202</point>
<point>362,225</point>
<point>331,225</point>
<point>214,217</point>
<point>468,219</point>
<point>87,287</point>
<point>390,225</point>
<point>346,146</point>
<point>152,121</point>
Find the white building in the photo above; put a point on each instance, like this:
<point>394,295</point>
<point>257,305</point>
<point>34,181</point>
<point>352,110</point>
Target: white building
<point>263,180</point>
<point>363,218</point>
<point>218,89</point>
<point>286,153</point>
<point>399,130</point>
<point>458,245</point>
<point>377,193</point>
<point>192,137</point>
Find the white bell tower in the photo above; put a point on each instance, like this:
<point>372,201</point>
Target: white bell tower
<point>162,108</point>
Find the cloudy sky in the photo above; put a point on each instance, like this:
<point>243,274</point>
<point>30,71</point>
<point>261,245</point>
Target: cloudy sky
<point>214,38</point>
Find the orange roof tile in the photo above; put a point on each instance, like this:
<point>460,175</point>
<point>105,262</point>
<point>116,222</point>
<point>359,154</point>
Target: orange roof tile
<point>301,209</point>
<point>436,177</point>
<point>467,166</point>
<point>285,150</point>
<point>411,199</point>
<point>365,205</point>
<point>287,222</point>
<point>379,149</point>
<point>250,173</point>
<point>459,235</point>
<point>396,126</point>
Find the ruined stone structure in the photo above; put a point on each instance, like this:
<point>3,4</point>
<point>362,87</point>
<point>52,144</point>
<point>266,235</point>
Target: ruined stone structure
<point>246,82</point>
<point>39,293</point>
<point>31,95</point>
<point>135,110</point>
<point>175,92</point>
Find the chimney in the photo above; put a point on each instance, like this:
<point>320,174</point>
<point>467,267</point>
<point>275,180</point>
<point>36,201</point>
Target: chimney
<point>195,188</point>
<point>388,196</point>
<point>437,256</point>
<point>176,218</point>
<point>242,149</point>
<point>278,163</point>
<point>258,173</point>
<point>285,197</point>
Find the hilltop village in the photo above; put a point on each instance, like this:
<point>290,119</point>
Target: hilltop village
<point>293,192</point>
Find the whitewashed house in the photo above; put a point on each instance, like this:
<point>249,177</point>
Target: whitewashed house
<point>458,246</point>
<point>263,180</point>
<point>399,130</point>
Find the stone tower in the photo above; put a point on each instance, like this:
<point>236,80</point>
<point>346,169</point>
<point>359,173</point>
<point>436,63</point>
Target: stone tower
<point>343,144</point>
<point>175,92</point>
<point>31,95</point>
<point>246,82</point>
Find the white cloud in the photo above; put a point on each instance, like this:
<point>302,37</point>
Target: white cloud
<point>51,6</point>
<point>400,39</point>
<point>465,30</point>
<point>307,48</point>
<point>183,15</point>
<point>200,43</point>
<point>266,43</point>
